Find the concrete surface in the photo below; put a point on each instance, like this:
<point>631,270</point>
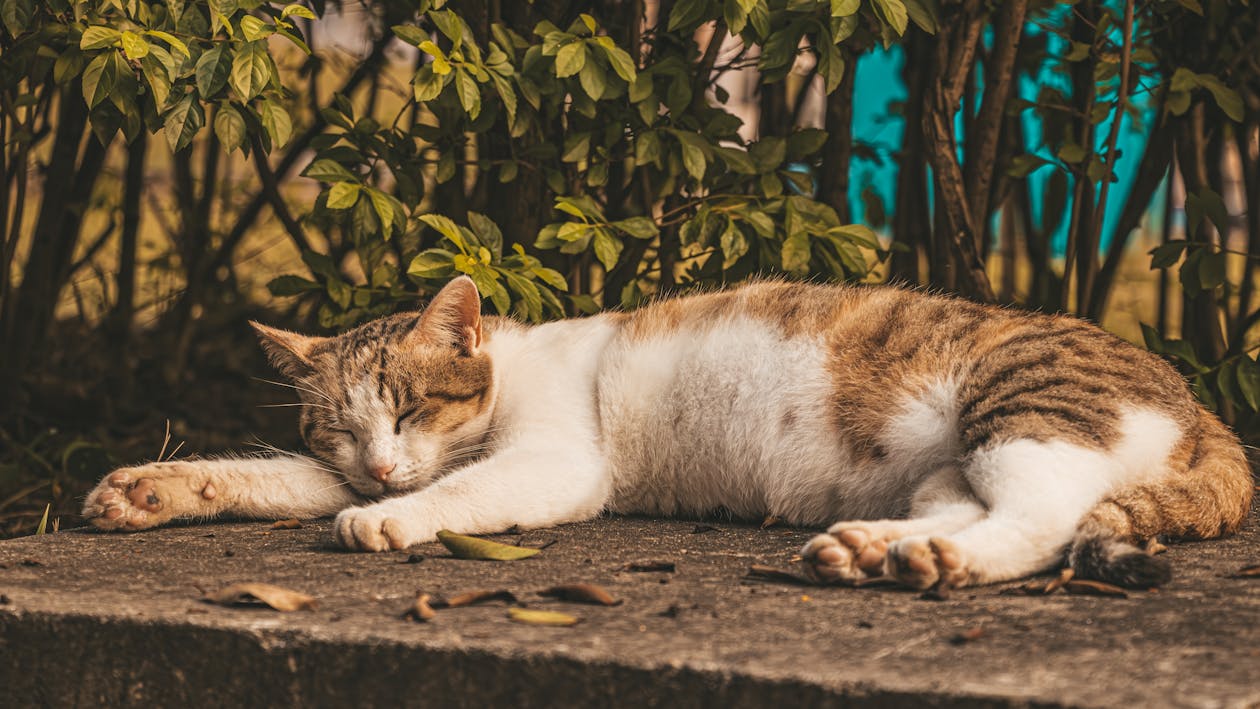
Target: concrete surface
<point>95,619</point>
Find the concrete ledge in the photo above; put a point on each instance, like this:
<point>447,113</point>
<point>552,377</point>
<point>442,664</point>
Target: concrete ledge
<point>116,620</point>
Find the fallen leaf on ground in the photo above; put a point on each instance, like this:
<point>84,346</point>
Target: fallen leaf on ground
<point>472,598</point>
<point>533,617</point>
<point>287,524</point>
<point>465,547</point>
<point>667,566</point>
<point>769,573</point>
<point>1086,587</point>
<point>420,611</point>
<point>581,593</point>
<point>244,594</point>
<point>1041,588</point>
<point>769,521</point>
<point>967,636</point>
<point>1247,572</point>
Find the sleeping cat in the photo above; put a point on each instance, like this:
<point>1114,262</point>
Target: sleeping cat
<point>960,444</point>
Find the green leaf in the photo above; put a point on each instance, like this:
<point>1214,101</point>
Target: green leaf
<point>229,126</point>
<point>923,13</point>
<point>340,293</point>
<point>734,244</point>
<point>1025,165</point>
<point>432,263</point>
<point>1192,6</point>
<point>174,42</point>
<point>326,170</point>
<point>445,227</point>
<point>284,286</point>
<point>385,208</point>
<point>621,63</point>
<point>844,8</point>
<point>1166,255</point>
<point>1212,270</point>
<point>638,227</point>
<point>97,37</point>
<point>488,233</point>
<point>594,80</point>
<point>343,195</point>
<point>17,16</point>
<point>469,93</point>
<point>796,252</point>
<point>530,298</point>
<point>576,148</point>
<point>276,122</point>
<point>43,529</point>
<point>158,78</point>
<point>411,34</point>
<point>805,142</point>
<point>1072,154</point>
<point>570,59</point>
<point>607,248</point>
<point>687,14</point>
<point>100,77</point>
<point>134,46</point>
<point>428,85</point>
<point>893,13</point>
<point>299,11</point>
<point>212,70</point>
<point>693,158</point>
<point>253,28</point>
<point>182,123</point>
<point>1226,98</point>
<point>550,277</point>
<point>1248,377</point>
<point>251,69</point>
<point>857,233</point>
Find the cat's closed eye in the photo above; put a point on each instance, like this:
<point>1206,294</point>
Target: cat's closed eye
<point>403,417</point>
<point>345,432</point>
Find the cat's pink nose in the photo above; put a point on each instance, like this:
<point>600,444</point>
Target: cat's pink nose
<point>381,471</point>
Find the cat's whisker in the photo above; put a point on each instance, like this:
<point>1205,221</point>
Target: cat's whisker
<point>299,403</point>
<point>315,392</point>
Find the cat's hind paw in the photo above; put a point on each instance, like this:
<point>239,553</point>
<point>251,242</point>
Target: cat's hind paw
<point>925,562</point>
<point>369,529</point>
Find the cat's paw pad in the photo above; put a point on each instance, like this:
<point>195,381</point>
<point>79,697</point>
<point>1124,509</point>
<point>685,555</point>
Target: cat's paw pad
<point>124,501</point>
<point>845,557</point>
<point>923,562</point>
<point>365,529</point>
<point>145,496</point>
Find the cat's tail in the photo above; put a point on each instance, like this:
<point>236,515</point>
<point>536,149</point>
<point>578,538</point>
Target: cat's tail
<point>1207,497</point>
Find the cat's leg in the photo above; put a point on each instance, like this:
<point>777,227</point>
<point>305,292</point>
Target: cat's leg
<point>265,488</point>
<point>852,551</point>
<point>522,487</point>
<point>1036,493</point>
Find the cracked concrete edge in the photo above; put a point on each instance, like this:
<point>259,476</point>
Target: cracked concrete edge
<point>80,660</point>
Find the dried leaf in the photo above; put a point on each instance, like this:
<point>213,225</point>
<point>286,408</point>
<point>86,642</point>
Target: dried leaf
<point>465,547</point>
<point>420,611</point>
<point>1064,577</point>
<point>1247,572</point>
<point>533,617</point>
<point>967,636</point>
<point>581,593</point>
<point>473,598</point>
<point>666,566</point>
<point>769,521</point>
<point>287,524</point>
<point>248,594</point>
<point>769,573</point>
<point>1086,587</point>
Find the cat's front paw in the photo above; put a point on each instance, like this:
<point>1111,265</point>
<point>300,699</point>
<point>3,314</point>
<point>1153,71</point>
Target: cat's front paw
<point>374,528</point>
<point>148,495</point>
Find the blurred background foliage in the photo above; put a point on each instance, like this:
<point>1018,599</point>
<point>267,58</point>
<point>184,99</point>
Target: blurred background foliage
<point>171,169</point>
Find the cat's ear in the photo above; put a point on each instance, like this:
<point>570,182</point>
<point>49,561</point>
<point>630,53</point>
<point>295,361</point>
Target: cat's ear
<point>289,352</point>
<point>454,316</point>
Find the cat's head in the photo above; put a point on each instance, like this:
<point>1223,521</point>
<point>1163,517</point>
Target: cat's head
<point>393,403</point>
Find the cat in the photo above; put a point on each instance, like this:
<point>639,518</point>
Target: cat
<point>960,444</point>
